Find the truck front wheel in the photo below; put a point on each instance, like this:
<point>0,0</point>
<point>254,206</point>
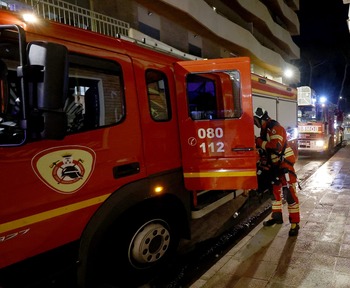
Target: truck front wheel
<point>149,244</point>
<point>134,249</point>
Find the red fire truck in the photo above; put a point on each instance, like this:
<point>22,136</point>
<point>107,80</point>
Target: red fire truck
<point>319,123</point>
<point>115,145</point>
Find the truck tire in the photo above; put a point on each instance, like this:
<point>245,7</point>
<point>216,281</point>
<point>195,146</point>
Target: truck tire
<point>134,249</point>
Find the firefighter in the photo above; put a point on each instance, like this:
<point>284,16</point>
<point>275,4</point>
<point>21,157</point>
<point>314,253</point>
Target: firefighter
<point>273,140</point>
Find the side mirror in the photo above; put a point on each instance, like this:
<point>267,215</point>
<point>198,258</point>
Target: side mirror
<point>48,66</point>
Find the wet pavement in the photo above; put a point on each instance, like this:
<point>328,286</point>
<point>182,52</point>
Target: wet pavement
<point>318,257</point>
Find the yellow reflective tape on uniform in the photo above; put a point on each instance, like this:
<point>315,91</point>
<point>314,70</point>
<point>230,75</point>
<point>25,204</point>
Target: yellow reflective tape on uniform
<point>277,205</point>
<point>293,210</point>
<point>276,136</point>
<point>218,174</point>
<point>288,154</point>
<point>263,144</point>
<point>274,158</point>
<point>39,217</point>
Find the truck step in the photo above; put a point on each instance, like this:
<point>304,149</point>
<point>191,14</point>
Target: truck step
<point>210,200</point>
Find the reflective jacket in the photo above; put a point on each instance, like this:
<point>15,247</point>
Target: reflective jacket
<point>273,139</point>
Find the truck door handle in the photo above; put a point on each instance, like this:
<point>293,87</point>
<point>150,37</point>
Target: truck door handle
<point>243,149</point>
<point>126,170</point>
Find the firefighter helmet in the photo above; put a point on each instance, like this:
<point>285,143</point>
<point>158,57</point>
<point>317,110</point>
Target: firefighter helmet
<point>260,113</point>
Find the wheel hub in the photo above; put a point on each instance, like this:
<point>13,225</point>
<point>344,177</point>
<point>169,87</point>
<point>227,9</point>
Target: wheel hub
<point>150,243</point>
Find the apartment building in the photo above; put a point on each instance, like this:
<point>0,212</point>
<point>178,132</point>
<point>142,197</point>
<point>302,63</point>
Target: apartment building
<point>260,29</point>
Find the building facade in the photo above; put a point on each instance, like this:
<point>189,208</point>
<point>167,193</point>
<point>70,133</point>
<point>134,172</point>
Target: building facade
<point>259,29</point>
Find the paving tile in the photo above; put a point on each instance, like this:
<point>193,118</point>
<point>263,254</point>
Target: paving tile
<point>216,267</point>
<point>318,278</point>
<point>344,250</point>
<point>342,265</point>
<point>315,226</point>
<point>333,236</point>
<point>292,275</point>
<point>321,261</point>
<point>341,281</point>
<point>307,245</point>
<point>222,281</point>
<point>250,283</point>
<point>346,236</point>
<point>299,258</point>
<point>327,248</point>
<point>264,270</point>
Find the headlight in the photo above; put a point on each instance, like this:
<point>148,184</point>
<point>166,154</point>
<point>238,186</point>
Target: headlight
<point>320,143</point>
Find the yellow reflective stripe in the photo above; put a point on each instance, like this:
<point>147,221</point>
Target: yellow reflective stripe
<point>35,218</point>
<point>293,210</point>
<point>288,154</point>
<point>276,136</point>
<point>263,144</point>
<point>276,205</point>
<point>275,158</point>
<point>218,174</point>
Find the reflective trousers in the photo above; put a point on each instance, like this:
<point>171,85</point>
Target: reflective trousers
<point>290,196</point>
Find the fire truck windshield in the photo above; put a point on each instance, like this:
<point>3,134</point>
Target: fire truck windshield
<point>309,114</point>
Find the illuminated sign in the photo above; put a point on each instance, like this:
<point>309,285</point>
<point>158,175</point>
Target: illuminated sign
<point>310,129</point>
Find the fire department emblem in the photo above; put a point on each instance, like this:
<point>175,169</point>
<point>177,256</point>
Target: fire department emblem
<point>64,169</point>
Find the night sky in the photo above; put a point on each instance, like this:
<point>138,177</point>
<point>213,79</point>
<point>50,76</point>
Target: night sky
<point>324,42</point>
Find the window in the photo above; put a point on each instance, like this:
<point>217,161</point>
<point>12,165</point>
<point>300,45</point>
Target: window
<point>215,95</point>
<point>11,103</point>
<point>158,95</point>
<point>96,93</point>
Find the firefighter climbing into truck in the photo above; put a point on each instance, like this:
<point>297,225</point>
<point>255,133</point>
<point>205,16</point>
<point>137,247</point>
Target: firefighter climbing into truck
<point>320,123</point>
<point>106,142</point>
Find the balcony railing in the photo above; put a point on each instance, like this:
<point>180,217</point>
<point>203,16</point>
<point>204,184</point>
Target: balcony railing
<point>63,12</point>
<point>66,13</point>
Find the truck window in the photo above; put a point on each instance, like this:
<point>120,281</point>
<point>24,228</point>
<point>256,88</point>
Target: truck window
<point>10,103</point>
<point>158,95</point>
<point>96,93</point>
<point>214,96</point>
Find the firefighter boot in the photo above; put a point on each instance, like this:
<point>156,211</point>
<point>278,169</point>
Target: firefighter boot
<point>276,218</point>
<point>294,229</point>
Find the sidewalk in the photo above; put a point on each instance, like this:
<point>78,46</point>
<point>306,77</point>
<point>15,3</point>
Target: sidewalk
<point>318,257</point>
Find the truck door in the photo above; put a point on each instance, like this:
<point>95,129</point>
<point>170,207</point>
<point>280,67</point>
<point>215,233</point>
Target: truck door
<point>216,124</point>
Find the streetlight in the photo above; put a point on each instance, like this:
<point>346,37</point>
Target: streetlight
<point>288,73</point>
<point>323,99</point>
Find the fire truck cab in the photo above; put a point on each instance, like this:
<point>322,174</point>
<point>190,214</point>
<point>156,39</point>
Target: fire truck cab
<point>319,123</point>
